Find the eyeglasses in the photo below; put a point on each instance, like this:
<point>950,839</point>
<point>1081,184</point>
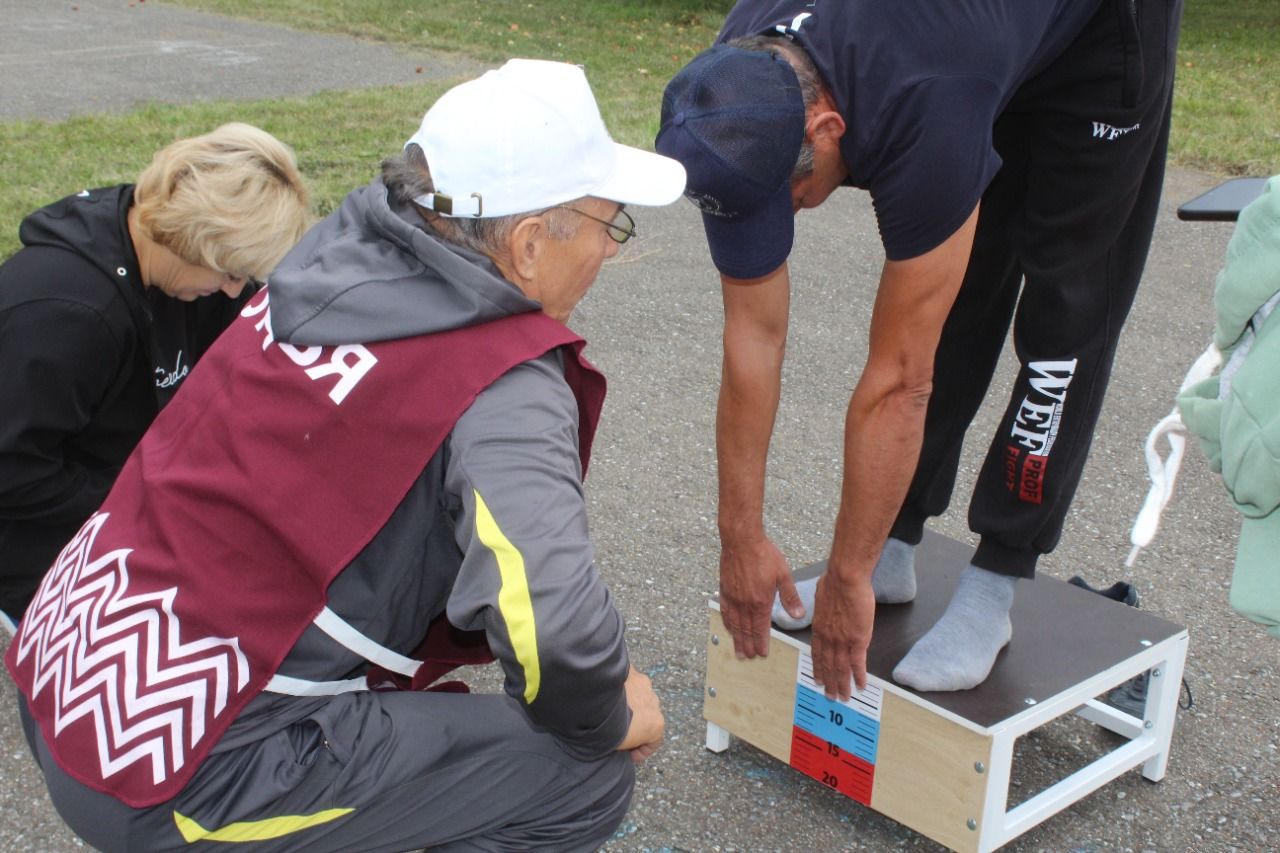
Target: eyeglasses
<point>620,230</point>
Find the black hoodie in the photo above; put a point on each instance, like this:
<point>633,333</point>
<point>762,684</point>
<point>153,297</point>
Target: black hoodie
<point>87,359</point>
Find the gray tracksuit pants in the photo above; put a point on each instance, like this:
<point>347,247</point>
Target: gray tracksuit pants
<point>372,772</point>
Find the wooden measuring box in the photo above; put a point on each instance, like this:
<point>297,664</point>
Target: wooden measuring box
<point>940,763</point>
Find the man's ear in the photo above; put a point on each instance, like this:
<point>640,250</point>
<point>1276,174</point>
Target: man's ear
<point>824,125</point>
<point>525,246</point>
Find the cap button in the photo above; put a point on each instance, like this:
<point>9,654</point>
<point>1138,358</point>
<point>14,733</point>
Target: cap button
<point>678,119</point>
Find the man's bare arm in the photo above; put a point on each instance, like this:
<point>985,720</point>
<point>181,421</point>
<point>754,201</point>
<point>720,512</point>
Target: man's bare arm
<point>884,427</point>
<point>751,566</point>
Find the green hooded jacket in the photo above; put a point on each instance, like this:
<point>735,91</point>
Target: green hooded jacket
<point>1236,413</point>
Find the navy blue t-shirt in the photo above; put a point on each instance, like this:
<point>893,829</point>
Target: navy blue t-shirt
<point>920,85</point>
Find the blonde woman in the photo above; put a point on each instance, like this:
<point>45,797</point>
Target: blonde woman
<point>103,312</point>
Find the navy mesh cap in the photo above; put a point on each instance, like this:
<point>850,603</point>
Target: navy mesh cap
<point>735,119</point>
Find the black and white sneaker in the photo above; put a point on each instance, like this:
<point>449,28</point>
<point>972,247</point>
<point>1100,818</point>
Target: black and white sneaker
<point>1130,697</point>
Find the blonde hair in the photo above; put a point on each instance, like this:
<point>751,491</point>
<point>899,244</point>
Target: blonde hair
<point>231,200</point>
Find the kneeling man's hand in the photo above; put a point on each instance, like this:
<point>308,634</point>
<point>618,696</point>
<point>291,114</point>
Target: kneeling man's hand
<point>644,736</point>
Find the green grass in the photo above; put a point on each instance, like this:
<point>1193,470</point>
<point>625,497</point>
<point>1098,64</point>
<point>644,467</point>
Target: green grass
<point>1227,107</point>
<point>630,48</point>
<point>340,137</point>
<point>1227,97</point>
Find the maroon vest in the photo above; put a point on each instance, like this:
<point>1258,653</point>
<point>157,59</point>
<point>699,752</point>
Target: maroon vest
<point>253,489</point>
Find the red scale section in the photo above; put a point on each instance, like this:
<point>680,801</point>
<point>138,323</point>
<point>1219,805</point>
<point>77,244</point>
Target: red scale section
<point>832,766</point>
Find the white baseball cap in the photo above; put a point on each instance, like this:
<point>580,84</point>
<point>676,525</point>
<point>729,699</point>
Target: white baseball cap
<point>528,136</point>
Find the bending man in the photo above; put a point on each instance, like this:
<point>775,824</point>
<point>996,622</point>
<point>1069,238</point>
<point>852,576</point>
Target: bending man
<point>1001,143</point>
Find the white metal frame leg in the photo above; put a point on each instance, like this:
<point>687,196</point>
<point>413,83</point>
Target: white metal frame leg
<point>717,738</point>
<point>993,831</point>
<point>1163,686</point>
<point>1148,745</point>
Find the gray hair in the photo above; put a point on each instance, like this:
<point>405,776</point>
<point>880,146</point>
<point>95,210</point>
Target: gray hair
<point>407,176</point>
<point>806,73</point>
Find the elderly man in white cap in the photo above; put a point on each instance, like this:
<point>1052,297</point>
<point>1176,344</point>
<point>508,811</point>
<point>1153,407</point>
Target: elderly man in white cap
<point>376,475</point>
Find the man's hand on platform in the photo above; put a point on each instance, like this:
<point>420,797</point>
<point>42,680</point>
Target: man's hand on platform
<point>843,615</point>
<point>751,573</point>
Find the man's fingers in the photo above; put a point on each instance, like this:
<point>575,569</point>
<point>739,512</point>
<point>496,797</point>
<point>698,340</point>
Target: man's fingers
<point>750,631</point>
<point>748,645</point>
<point>746,642</point>
<point>790,598</point>
<point>753,640</point>
<point>840,674</point>
<point>836,685</point>
<point>729,615</point>
<point>831,668</point>
<point>760,623</point>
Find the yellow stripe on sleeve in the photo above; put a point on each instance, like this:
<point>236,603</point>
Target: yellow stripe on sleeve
<point>514,602</point>
<point>255,830</point>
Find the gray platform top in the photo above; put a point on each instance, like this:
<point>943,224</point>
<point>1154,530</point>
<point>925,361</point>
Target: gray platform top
<point>1062,635</point>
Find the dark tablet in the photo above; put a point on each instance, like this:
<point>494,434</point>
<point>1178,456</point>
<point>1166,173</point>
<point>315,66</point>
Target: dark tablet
<point>1224,202</point>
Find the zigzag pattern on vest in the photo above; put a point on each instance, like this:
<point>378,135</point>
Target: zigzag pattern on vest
<point>144,689</point>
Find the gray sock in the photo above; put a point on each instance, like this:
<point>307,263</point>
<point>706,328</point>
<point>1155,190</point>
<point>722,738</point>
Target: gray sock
<point>894,582</point>
<point>959,650</point>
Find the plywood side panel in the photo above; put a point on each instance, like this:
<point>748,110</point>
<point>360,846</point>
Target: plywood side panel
<point>754,699</point>
<point>925,773</point>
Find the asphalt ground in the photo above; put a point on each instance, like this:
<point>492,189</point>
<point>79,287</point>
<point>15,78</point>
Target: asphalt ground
<point>60,58</point>
<point>653,320</point>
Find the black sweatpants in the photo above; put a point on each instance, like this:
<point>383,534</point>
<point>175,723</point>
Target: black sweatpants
<point>1062,238</point>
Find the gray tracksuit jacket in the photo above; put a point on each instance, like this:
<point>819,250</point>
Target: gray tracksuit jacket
<point>369,273</point>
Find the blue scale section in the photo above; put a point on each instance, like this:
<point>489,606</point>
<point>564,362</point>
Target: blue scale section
<point>837,723</point>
